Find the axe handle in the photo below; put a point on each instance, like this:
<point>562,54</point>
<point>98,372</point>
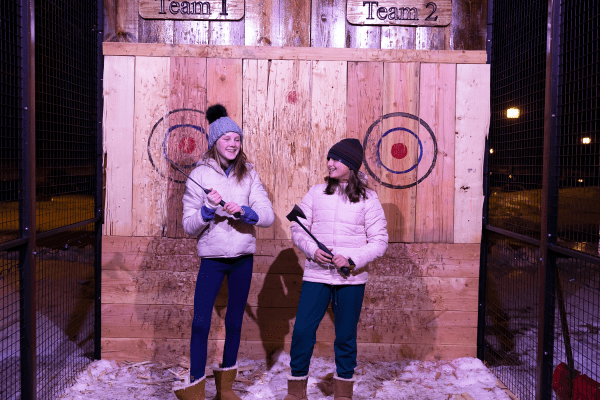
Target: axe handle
<point>221,203</point>
<point>345,270</point>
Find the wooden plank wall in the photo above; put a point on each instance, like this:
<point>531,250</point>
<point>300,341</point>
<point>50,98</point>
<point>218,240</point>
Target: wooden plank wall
<point>420,302</point>
<point>293,23</point>
<point>421,299</point>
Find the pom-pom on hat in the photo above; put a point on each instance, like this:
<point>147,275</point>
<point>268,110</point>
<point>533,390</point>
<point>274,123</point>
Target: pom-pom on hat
<point>220,124</point>
<point>349,152</point>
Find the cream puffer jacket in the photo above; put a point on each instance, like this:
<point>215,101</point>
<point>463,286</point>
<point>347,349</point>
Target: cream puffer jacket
<point>354,230</point>
<point>225,235</point>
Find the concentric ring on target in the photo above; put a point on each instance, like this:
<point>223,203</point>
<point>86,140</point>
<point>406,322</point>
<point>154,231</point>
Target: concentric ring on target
<point>166,138</point>
<point>424,125</point>
<point>420,150</point>
<point>164,145</point>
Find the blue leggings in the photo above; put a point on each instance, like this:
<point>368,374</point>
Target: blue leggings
<point>210,277</point>
<point>346,302</point>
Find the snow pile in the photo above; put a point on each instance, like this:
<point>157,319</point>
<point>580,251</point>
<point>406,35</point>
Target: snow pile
<point>463,378</point>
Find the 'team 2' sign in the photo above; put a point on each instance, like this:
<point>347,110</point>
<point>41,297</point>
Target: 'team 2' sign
<point>198,10</point>
<point>400,12</point>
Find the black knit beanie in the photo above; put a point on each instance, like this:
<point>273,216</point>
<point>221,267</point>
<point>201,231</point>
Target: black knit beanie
<point>349,152</point>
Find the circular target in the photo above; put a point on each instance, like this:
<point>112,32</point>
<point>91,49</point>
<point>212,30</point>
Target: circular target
<point>400,149</point>
<point>177,139</point>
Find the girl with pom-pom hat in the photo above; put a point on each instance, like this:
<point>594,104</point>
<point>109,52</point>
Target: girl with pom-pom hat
<point>226,245</point>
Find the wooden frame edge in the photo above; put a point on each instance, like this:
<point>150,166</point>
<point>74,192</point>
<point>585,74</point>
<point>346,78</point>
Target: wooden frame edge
<point>293,53</point>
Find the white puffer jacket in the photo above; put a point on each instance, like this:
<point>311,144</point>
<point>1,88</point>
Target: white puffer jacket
<point>225,235</point>
<point>354,230</point>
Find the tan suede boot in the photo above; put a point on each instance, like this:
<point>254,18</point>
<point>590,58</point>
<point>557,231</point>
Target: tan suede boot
<point>224,378</point>
<point>193,391</point>
<point>296,388</point>
<point>342,388</point>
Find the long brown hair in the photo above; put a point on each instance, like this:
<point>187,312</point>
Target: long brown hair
<point>239,169</point>
<point>354,190</point>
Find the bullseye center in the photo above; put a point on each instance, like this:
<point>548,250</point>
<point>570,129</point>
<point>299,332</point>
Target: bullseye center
<point>399,151</point>
<point>187,144</point>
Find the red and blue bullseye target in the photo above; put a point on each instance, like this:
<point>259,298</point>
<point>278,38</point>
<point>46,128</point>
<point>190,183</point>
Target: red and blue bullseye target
<point>181,144</point>
<point>400,149</point>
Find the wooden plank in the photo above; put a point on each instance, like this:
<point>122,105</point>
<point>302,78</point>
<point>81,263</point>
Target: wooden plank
<point>328,117</point>
<point>295,23</point>
<point>169,247</point>
<point>398,37</point>
<point>258,105</point>
<point>294,53</point>
<point>426,293</point>
<point>289,261</point>
<point>364,102</point>
<point>261,23</point>
<point>290,84</point>
<point>399,149</point>
<point>469,25</point>
<point>363,37</point>
<point>155,31</point>
<point>472,126</point>
<point>121,21</point>
<point>224,85</point>
<point>277,324</point>
<point>177,350</point>
<point>166,287</point>
<point>420,13</point>
<point>277,23</point>
<point>281,256</point>
<point>433,251</point>
<point>110,20</point>
<point>226,33</point>
<point>435,194</point>
<point>432,38</point>
<point>190,32</point>
<point>186,144</point>
<point>328,24</point>
<point>118,133</point>
<point>364,105</point>
<point>151,103</point>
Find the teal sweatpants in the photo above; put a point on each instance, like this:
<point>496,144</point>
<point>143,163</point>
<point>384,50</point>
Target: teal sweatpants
<point>346,302</point>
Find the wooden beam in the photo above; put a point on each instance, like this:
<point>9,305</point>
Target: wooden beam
<point>152,90</point>
<point>118,133</point>
<point>277,324</point>
<point>293,53</point>
<point>472,127</point>
<point>283,290</point>
<point>435,193</point>
<point>178,350</point>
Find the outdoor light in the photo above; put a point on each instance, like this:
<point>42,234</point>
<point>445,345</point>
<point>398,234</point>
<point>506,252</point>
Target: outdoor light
<point>491,151</point>
<point>510,177</point>
<point>580,180</point>
<point>512,113</point>
<point>586,140</point>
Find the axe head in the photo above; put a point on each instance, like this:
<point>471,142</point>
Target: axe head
<point>295,213</point>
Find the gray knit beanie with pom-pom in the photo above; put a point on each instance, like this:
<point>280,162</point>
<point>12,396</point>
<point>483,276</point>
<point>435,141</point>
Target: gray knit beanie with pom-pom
<point>220,124</point>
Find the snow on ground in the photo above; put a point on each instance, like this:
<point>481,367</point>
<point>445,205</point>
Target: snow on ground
<point>463,378</point>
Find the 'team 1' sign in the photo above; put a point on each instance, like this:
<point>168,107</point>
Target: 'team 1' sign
<point>400,12</point>
<point>198,10</point>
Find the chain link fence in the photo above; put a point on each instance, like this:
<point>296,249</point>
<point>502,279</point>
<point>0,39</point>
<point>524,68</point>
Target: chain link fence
<point>50,194</point>
<point>540,252</point>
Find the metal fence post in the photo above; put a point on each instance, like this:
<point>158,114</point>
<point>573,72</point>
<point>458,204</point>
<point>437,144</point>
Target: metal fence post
<point>549,213</point>
<point>27,267</point>
<point>99,204</point>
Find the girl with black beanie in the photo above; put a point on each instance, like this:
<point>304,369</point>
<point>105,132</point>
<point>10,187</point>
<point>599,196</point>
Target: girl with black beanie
<point>347,217</point>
